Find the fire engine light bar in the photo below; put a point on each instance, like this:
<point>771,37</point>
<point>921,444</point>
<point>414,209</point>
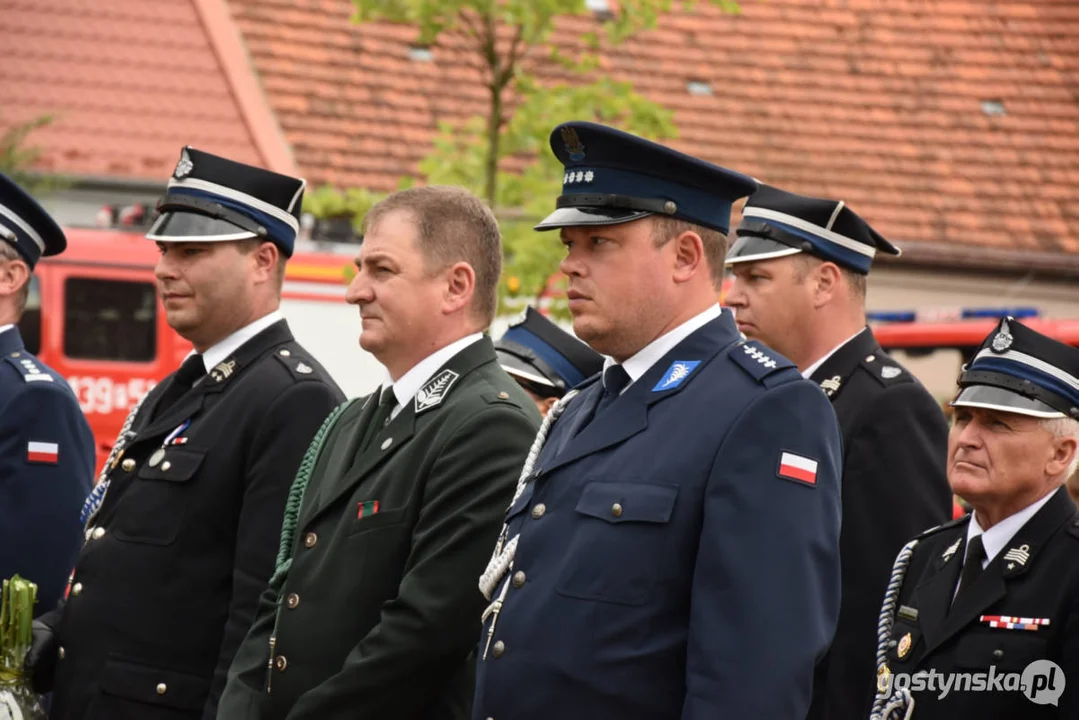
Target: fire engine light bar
<point>949,314</point>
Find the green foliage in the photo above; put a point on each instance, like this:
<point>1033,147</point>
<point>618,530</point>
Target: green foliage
<point>328,202</point>
<point>17,158</point>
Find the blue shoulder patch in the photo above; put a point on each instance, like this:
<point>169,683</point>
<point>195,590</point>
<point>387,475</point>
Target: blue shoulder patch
<point>760,362</point>
<point>676,374</point>
<point>27,366</point>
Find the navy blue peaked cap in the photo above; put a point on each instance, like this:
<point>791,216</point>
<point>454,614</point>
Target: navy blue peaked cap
<point>776,223</point>
<point>1019,370</point>
<point>213,199</point>
<point>613,177</point>
<point>543,357</point>
<point>26,226</point>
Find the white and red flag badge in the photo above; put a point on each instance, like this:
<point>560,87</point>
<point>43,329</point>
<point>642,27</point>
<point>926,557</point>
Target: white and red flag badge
<point>798,468</point>
<point>42,452</point>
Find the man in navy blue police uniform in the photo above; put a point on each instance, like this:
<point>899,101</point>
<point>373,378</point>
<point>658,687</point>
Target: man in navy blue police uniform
<point>981,617</point>
<point>673,552</point>
<point>46,447</point>
<point>545,360</point>
<point>800,269</point>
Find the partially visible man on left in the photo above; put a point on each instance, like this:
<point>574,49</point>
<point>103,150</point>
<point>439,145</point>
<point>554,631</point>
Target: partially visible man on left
<point>46,447</point>
<point>182,529</point>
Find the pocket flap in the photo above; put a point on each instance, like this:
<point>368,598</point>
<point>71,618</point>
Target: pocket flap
<point>1009,650</point>
<point>522,502</point>
<point>177,465</point>
<point>628,502</point>
<point>383,518</point>
<point>156,687</point>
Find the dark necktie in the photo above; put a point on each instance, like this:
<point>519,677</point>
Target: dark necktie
<point>972,566</point>
<point>615,380</point>
<point>183,379</point>
<point>386,402</point>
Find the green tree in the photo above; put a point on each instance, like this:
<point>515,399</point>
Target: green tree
<point>17,158</point>
<point>506,35</point>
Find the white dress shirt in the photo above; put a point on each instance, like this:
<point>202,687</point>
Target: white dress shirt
<point>997,537</point>
<point>411,382</point>
<point>224,349</point>
<point>654,351</point>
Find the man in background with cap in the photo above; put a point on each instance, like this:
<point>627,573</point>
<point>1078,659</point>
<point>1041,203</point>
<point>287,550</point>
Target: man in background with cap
<point>800,266</point>
<point>994,595</point>
<point>673,551</point>
<point>46,447</point>
<point>182,529</point>
<point>544,359</point>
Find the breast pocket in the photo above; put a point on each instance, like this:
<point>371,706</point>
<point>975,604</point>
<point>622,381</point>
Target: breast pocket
<point>620,536</point>
<point>155,505</point>
<point>1007,650</point>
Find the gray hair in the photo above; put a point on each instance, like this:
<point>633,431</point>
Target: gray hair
<point>1064,428</point>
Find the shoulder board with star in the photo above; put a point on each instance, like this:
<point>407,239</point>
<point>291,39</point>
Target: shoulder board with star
<point>301,366</point>
<point>435,391</point>
<point>761,362</point>
<point>27,366</point>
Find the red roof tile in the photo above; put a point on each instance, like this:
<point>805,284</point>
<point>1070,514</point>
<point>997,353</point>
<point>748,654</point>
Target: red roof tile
<point>877,102</point>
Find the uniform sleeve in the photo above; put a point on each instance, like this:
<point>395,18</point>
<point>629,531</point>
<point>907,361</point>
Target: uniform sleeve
<point>765,592</point>
<point>431,626</point>
<point>894,488</point>
<point>46,471</point>
<point>280,443</point>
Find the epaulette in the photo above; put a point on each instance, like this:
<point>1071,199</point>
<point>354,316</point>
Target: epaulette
<point>761,362</point>
<point>885,370</point>
<point>944,526</point>
<point>27,367</point>
<point>296,363</point>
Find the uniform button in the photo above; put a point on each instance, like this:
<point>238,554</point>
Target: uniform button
<point>128,465</point>
<point>538,511</point>
<point>293,600</point>
<point>616,510</point>
<point>518,578</point>
<point>870,358</point>
<point>998,653</point>
<point>165,466</point>
<point>76,589</point>
<point>162,688</point>
<point>283,352</point>
<point>61,653</point>
<point>280,662</point>
<point>503,395</point>
<point>309,540</point>
<point>498,648</point>
<point>98,533</point>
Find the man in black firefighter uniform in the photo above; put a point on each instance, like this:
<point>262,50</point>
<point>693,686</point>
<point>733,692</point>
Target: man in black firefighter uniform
<point>182,527</point>
<point>800,266</point>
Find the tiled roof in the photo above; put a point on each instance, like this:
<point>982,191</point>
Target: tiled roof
<point>948,122</point>
<point>129,82</point>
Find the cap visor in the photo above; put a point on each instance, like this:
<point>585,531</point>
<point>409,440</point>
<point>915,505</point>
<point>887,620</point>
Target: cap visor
<point>193,227</point>
<point>993,398</point>
<point>518,368</point>
<point>750,248</point>
<point>573,216</point>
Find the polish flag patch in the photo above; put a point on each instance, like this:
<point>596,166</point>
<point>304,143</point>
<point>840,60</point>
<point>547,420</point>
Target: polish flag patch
<point>42,452</point>
<point>797,467</point>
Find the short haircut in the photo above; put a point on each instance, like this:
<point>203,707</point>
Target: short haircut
<point>7,252</point>
<point>856,281</point>
<point>250,245</point>
<point>452,225</point>
<point>665,229</point>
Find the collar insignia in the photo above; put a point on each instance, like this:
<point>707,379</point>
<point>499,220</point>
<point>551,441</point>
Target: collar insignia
<point>222,370</point>
<point>831,385</point>
<point>676,374</point>
<point>434,392</point>
<point>890,371</point>
<point>952,550</point>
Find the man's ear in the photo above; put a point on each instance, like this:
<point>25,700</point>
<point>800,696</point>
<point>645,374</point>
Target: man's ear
<point>827,281</point>
<point>460,286</point>
<point>13,275</point>
<point>266,256</point>
<point>688,255</point>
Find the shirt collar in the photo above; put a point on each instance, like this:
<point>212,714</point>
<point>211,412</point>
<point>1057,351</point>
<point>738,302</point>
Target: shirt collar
<point>410,383</point>
<point>995,538</point>
<point>808,372</point>
<point>5,328</point>
<point>224,349</point>
<point>654,351</point>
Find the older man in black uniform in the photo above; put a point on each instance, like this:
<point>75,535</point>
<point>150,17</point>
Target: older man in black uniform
<point>181,529</point>
<point>800,266</point>
<point>46,447</point>
<point>981,617</point>
<point>544,359</point>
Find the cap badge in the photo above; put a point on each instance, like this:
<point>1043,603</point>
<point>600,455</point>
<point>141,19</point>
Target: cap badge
<point>184,166</point>
<point>890,371</point>
<point>580,176</point>
<point>574,146</point>
<point>1003,339</point>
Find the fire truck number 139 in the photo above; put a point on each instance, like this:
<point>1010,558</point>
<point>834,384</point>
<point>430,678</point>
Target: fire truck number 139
<point>104,395</point>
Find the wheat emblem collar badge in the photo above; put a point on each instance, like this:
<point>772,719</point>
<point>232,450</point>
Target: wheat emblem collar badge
<point>435,391</point>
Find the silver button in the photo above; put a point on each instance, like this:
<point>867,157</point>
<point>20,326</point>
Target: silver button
<point>503,395</point>
<point>76,589</point>
<point>519,578</point>
<point>165,466</point>
<point>128,465</point>
<point>870,358</point>
<point>293,601</point>
<point>61,653</point>
<point>616,510</point>
<point>162,688</point>
<point>386,443</point>
<point>498,648</point>
<point>538,511</point>
<point>98,533</point>
<point>283,352</point>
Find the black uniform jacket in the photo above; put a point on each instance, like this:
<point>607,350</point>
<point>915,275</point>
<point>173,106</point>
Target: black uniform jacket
<point>168,580</point>
<point>380,611</point>
<point>1035,577</point>
<point>895,446</point>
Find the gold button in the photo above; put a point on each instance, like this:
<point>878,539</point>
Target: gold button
<point>498,648</point>
<point>162,688</point>
<point>539,510</point>
<point>280,662</point>
<point>503,395</point>
<point>98,533</point>
<point>76,589</point>
<point>616,510</point>
<point>519,578</point>
<point>128,465</point>
<point>293,601</point>
<point>309,540</point>
<point>61,653</point>
<point>165,466</point>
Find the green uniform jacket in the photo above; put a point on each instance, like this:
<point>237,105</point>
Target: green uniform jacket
<point>379,613</point>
